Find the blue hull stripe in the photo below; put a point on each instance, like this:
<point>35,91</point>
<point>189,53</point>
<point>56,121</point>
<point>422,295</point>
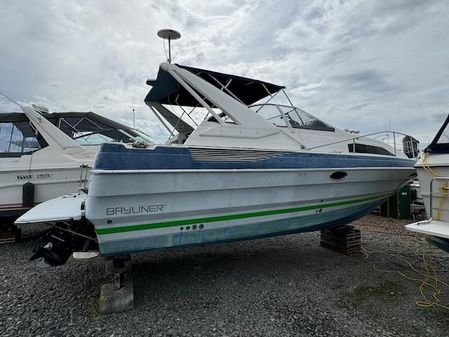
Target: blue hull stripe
<point>118,157</point>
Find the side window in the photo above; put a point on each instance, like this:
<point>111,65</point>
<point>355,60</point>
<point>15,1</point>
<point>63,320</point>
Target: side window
<point>17,138</point>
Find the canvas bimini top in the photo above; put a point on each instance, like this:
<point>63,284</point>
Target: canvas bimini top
<point>166,90</point>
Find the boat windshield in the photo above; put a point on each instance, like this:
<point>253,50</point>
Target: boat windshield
<point>444,136</point>
<point>18,138</point>
<point>440,143</point>
<point>108,136</point>
<point>289,116</point>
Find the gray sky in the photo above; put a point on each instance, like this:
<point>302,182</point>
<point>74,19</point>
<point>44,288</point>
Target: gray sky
<point>363,65</point>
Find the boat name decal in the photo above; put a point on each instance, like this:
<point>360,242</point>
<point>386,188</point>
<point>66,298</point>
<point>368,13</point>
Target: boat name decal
<point>32,176</point>
<point>137,209</point>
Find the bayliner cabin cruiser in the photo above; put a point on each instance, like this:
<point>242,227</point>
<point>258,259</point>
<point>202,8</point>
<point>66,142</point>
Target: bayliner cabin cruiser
<point>239,174</point>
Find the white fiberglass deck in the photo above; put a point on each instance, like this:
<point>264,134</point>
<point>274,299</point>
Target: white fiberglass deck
<point>430,227</point>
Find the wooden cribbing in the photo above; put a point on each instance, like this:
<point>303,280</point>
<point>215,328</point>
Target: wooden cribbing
<point>344,240</point>
<point>9,233</point>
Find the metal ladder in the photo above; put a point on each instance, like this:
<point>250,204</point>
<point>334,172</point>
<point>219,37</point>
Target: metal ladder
<point>436,194</point>
<point>83,178</point>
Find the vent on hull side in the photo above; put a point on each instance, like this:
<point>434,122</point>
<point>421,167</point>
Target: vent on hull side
<point>231,155</point>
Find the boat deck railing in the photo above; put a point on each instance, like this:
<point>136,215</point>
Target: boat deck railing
<point>387,137</point>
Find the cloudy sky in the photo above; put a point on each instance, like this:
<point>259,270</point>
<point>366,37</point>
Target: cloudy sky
<point>358,64</point>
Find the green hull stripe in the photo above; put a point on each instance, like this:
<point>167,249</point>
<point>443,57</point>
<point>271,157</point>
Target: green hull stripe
<point>155,225</point>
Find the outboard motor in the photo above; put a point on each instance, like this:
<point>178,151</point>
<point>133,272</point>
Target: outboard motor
<point>410,146</point>
<point>58,244</point>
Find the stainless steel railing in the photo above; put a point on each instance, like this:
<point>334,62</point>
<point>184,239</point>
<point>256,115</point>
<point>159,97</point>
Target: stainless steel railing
<point>386,133</point>
<point>432,193</point>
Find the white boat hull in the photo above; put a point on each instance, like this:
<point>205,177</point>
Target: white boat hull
<point>144,210</point>
<point>434,166</point>
<point>49,184</point>
<point>440,201</point>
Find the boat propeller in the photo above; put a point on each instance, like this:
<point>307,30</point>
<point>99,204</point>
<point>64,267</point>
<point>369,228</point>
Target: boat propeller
<point>52,254</point>
<point>57,244</point>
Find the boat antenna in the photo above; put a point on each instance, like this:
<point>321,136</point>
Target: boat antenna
<point>10,99</point>
<point>169,34</point>
<point>39,109</point>
<point>134,118</point>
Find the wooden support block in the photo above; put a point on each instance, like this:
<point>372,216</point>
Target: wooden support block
<point>119,295</point>
<point>9,234</point>
<point>354,250</point>
<point>344,239</point>
<point>114,299</point>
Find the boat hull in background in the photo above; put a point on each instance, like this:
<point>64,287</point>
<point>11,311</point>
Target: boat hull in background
<point>440,199</point>
<point>48,183</point>
<point>434,168</point>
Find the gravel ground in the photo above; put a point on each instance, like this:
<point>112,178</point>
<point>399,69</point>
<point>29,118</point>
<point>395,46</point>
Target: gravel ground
<point>285,286</point>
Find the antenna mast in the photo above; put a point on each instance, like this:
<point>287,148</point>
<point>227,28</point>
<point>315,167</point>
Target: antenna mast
<point>169,34</point>
<point>134,118</point>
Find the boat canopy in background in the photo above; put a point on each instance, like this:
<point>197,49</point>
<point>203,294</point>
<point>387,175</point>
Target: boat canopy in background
<point>70,123</point>
<point>440,144</point>
<point>18,137</point>
<point>166,90</point>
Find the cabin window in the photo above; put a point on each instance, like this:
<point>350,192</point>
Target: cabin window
<point>17,139</point>
<point>363,148</point>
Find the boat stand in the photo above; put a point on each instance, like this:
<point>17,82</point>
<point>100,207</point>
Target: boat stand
<point>344,239</point>
<point>9,233</point>
<point>119,295</point>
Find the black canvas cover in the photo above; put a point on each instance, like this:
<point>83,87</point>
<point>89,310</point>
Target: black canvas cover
<point>437,145</point>
<point>166,90</point>
<point>70,122</point>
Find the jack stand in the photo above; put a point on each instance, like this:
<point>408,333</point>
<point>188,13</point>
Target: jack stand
<point>344,239</point>
<point>118,295</point>
<point>9,233</point>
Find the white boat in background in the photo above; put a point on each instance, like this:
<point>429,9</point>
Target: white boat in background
<point>416,192</point>
<point>241,173</point>
<point>50,154</point>
<point>433,175</point>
